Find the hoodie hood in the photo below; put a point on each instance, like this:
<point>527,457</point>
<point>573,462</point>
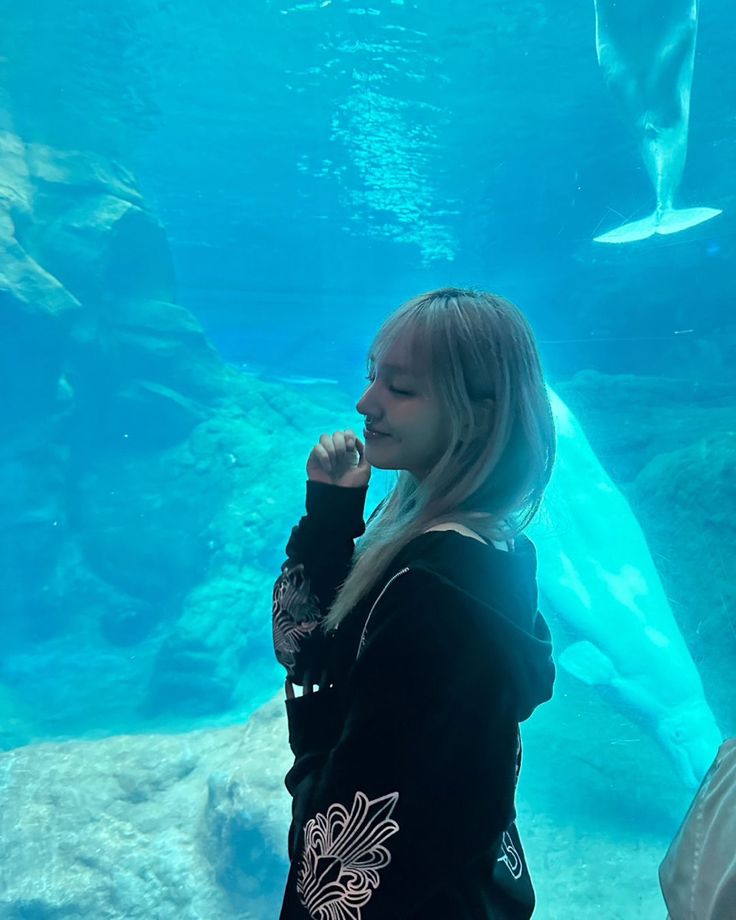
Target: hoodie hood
<point>503,585</point>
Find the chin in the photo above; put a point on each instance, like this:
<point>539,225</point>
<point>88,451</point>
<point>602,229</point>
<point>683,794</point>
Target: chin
<point>377,465</point>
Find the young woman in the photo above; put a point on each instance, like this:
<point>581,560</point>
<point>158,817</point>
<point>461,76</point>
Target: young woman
<point>424,640</point>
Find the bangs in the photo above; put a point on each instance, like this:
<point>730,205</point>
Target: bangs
<point>406,334</point>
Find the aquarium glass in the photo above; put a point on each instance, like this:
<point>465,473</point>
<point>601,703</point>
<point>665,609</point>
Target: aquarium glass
<point>206,212</point>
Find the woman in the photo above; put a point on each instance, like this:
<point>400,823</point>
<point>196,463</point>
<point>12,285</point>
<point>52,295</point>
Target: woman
<point>424,641</point>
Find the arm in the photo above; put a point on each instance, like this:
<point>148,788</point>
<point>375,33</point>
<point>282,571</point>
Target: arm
<point>319,553</point>
<point>422,776</point>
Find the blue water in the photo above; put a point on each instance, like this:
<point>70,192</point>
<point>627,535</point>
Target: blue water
<point>295,171</point>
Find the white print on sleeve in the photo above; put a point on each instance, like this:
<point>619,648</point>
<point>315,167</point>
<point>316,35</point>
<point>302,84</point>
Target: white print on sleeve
<point>510,856</point>
<point>295,613</point>
<point>342,855</point>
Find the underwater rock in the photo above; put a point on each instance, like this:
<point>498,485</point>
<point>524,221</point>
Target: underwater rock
<point>630,420</point>
<point>195,825</point>
<point>209,657</point>
<point>164,826</point>
<point>188,680</point>
<point>168,554</point>
<point>36,314</point>
<point>15,186</point>
<point>153,563</point>
<point>697,486</point>
<point>128,625</point>
<point>160,340</point>
<point>79,170</point>
<point>155,415</point>
<point>33,524</point>
<point>112,254</point>
<point>106,376</point>
<point>91,246</point>
<point>230,839</point>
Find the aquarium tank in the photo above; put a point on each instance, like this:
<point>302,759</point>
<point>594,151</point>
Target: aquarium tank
<point>206,212</point>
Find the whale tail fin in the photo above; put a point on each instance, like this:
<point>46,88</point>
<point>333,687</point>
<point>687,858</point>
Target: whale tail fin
<point>629,233</point>
<point>674,220</point>
<point>669,221</point>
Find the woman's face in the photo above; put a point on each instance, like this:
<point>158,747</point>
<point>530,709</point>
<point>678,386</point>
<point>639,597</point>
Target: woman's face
<point>400,405</point>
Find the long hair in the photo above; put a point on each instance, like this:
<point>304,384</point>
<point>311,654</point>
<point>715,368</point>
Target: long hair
<point>471,348</point>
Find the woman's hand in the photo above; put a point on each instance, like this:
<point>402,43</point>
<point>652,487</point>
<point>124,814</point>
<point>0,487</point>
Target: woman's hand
<point>339,460</point>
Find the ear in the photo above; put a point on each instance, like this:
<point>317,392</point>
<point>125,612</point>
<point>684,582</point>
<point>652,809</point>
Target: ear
<point>484,410</point>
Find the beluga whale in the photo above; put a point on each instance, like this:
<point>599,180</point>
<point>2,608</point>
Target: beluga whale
<point>598,579</point>
<point>646,50</point>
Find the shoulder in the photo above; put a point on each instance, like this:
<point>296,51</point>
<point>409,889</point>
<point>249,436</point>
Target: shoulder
<point>455,527</point>
<point>417,601</point>
<point>458,528</point>
<point>423,627</point>
<point>414,580</point>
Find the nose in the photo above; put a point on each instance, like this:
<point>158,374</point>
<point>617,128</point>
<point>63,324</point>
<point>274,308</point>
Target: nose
<point>367,407</point>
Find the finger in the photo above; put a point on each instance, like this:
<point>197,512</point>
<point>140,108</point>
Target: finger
<point>338,439</point>
<point>289,690</point>
<point>323,457</point>
<point>326,442</point>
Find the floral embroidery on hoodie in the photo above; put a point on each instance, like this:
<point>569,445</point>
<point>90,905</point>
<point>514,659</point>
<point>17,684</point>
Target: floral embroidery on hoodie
<point>295,614</point>
<point>342,856</point>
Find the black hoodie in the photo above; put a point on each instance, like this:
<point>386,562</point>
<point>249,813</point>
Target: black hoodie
<point>405,768</point>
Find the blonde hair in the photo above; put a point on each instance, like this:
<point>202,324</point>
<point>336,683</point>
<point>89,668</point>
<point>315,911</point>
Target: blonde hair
<point>475,351</point>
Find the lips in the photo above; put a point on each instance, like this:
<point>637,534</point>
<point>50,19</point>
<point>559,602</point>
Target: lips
<point>367,431</point>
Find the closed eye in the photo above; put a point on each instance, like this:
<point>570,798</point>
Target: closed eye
<point>393,389</point>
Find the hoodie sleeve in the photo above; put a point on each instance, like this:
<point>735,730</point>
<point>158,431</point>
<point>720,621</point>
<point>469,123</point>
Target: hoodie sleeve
<point>422,777</point>
<point>319,553</point>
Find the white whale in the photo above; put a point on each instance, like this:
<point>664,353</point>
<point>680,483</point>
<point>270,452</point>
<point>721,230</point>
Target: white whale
<point>597,576</point>
<point>646,50</point>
